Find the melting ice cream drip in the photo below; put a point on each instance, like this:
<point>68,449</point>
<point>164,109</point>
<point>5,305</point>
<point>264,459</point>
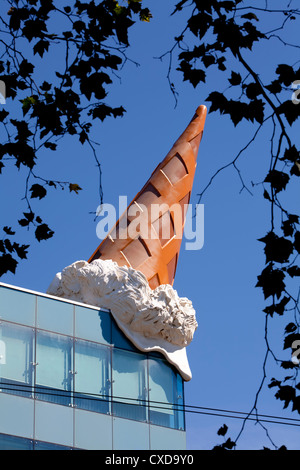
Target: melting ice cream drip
<point>154,320</point>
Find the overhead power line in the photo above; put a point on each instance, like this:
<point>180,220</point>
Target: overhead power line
<point>152,404</point>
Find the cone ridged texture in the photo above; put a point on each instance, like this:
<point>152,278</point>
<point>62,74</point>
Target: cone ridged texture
<point>155,250</point>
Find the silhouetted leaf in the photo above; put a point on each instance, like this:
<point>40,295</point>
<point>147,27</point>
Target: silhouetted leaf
<point>235,78</point>
<point>21,250</point>
<point>229,444</point>
<point>295,170</point>
<point>288,365</point>
<point>255,111</point>
<point>23,222</point>
<point>27,103</point>
<point>278,180</point>
<point>8,231</point>
<point>221,63</point>
<point>296,404</point>
<point>34,28</point>
<point>297,241</point>
<point>286,74</point>
<point>286,393</point>
<point>50,145</point>
<point>38,191</point>
<point>219,102</point>
<point>280,307</point>
<point>288,228</point>
<point>46,86</point>
<point>7,263</point>
<point>199,24</point>
<point>271,281</point>
<point>290,328</point>
<point>277,249</point>
<point>291,154</point>
<point>25,68</point>
<point>223,430</point>
<point>294,271</point>
<point>253,90</point>
<point>79,26</point>
<point>274,383</point>
<point>43,232</point>
<point>74,187</point>
<point>194,76</point>
<point>238,110</point>
<point>277,308</point>
<point>274,87</point>
<point>290,111</point>
<point>208,60</point>
<point>290,339</point>
<point>145,15</point>
<point>3,114</point>
<point>101,111</point>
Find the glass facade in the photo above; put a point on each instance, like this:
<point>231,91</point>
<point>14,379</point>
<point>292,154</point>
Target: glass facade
<point>73,363</point>
<point>19,443</point>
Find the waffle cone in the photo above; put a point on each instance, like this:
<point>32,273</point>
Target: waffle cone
<point>148,236</point>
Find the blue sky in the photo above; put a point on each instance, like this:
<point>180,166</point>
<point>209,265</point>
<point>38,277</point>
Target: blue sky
<point>227,353</point>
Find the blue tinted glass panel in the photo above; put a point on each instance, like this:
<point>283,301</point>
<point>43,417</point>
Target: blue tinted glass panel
<point>93,325</point>
<point>92,378</point>
<point>54,369</point>
<point>129,385</point>
<point>48,446</point>
<point>54,423</point>
<point>16,415</point>
<point>180,414</point>
<point>162,393</point>
<point>14,443</point>
<point>16,359</point>
<point>17,306</point>
<point>100,430</point>
<point>164,438</point>
<point>119,340</point>
<point>130,435</point>
<point>55,315</point>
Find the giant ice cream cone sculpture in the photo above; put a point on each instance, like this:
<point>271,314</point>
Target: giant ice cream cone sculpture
<point>141,251</point>
<point>148,236</point>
